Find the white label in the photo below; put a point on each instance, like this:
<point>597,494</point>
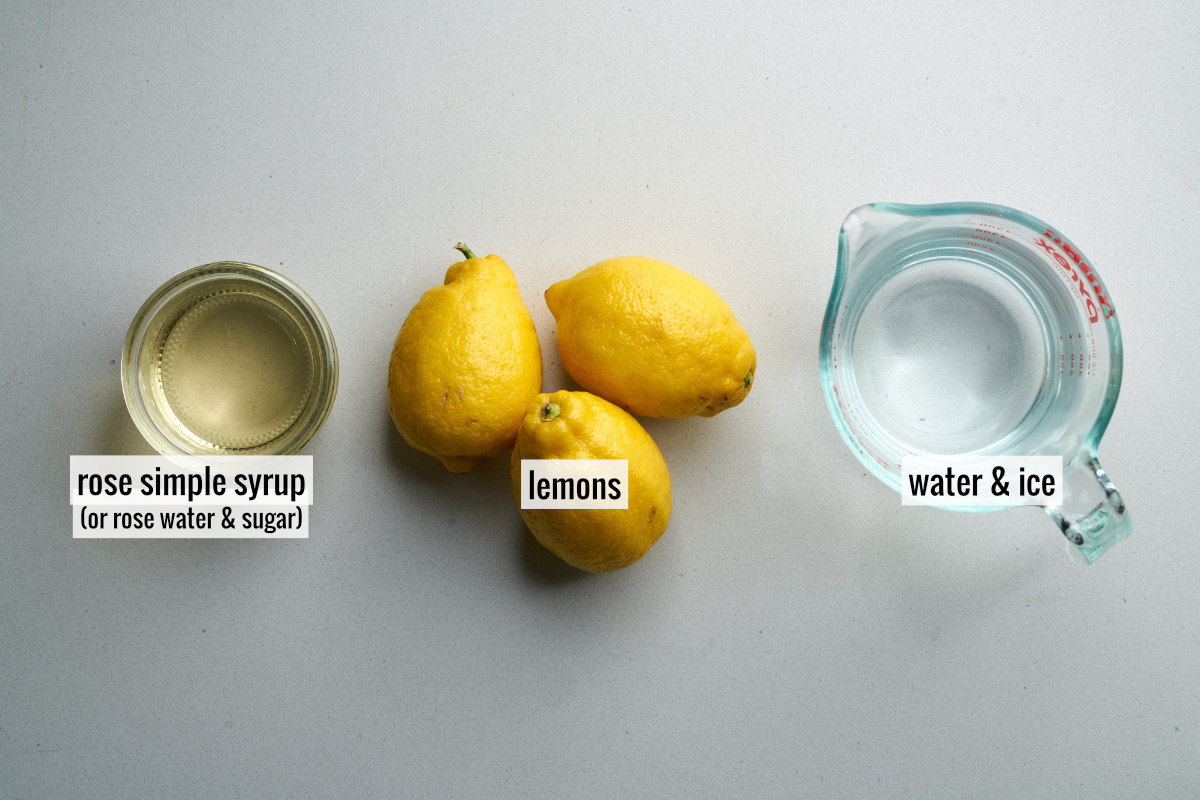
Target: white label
<point>574,483</point>
<point>210,497</point>
<point>189,522</point>
<point>993,481</point>
<point>208,480</point>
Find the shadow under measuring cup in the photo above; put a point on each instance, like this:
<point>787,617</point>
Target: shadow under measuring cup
<point>972,329</point>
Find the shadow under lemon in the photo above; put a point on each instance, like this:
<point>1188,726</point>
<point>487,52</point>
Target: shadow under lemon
<point>484,495</point>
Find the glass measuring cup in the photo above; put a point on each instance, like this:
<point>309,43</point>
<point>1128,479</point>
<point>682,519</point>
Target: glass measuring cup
<point>971,329</point>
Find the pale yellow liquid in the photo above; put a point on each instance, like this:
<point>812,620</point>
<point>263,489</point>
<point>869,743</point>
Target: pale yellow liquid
<point>236,370</point>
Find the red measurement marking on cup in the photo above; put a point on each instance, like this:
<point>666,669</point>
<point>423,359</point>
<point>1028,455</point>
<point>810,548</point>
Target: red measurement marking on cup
<point>1068,260</point>
<point>850,415</point>
<point>983,235</point>
<point>1077,356</point>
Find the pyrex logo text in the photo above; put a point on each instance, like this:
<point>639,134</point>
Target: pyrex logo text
<point>1069,267</point>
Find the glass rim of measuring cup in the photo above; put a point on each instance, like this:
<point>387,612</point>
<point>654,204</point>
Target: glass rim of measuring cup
<point>877,243</point>
<point>274,286</point>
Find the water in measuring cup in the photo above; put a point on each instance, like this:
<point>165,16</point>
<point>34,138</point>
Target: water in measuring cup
<point>949,356</point>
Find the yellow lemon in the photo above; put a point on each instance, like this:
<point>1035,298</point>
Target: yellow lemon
<point>652,339</point>
<point>464,365</point>
<point>581,425</point>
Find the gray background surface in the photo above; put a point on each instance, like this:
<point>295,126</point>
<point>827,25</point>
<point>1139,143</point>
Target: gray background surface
<point>796,633</point>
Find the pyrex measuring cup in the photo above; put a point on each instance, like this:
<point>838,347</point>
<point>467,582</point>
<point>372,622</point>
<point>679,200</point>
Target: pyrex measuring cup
<point>970,329</point>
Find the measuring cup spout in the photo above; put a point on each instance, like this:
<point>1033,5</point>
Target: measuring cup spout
<point>863,226</point>
<point>1091,527</point>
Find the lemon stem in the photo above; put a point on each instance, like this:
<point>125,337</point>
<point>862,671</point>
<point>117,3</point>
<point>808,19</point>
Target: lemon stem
<point>550,411</point>
<point>746,381</point>
<point>466,251</point>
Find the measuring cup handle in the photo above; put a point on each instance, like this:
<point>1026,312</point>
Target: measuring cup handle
<point>1090,532</point>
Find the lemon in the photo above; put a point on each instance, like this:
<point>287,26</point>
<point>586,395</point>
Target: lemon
<point>652,339</point>
<point>581,425</point>
<point>464,365</point>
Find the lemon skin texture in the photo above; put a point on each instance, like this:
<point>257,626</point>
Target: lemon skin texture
<point>583,426</point>
<point>464,365</point>
<point>651,338</point>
